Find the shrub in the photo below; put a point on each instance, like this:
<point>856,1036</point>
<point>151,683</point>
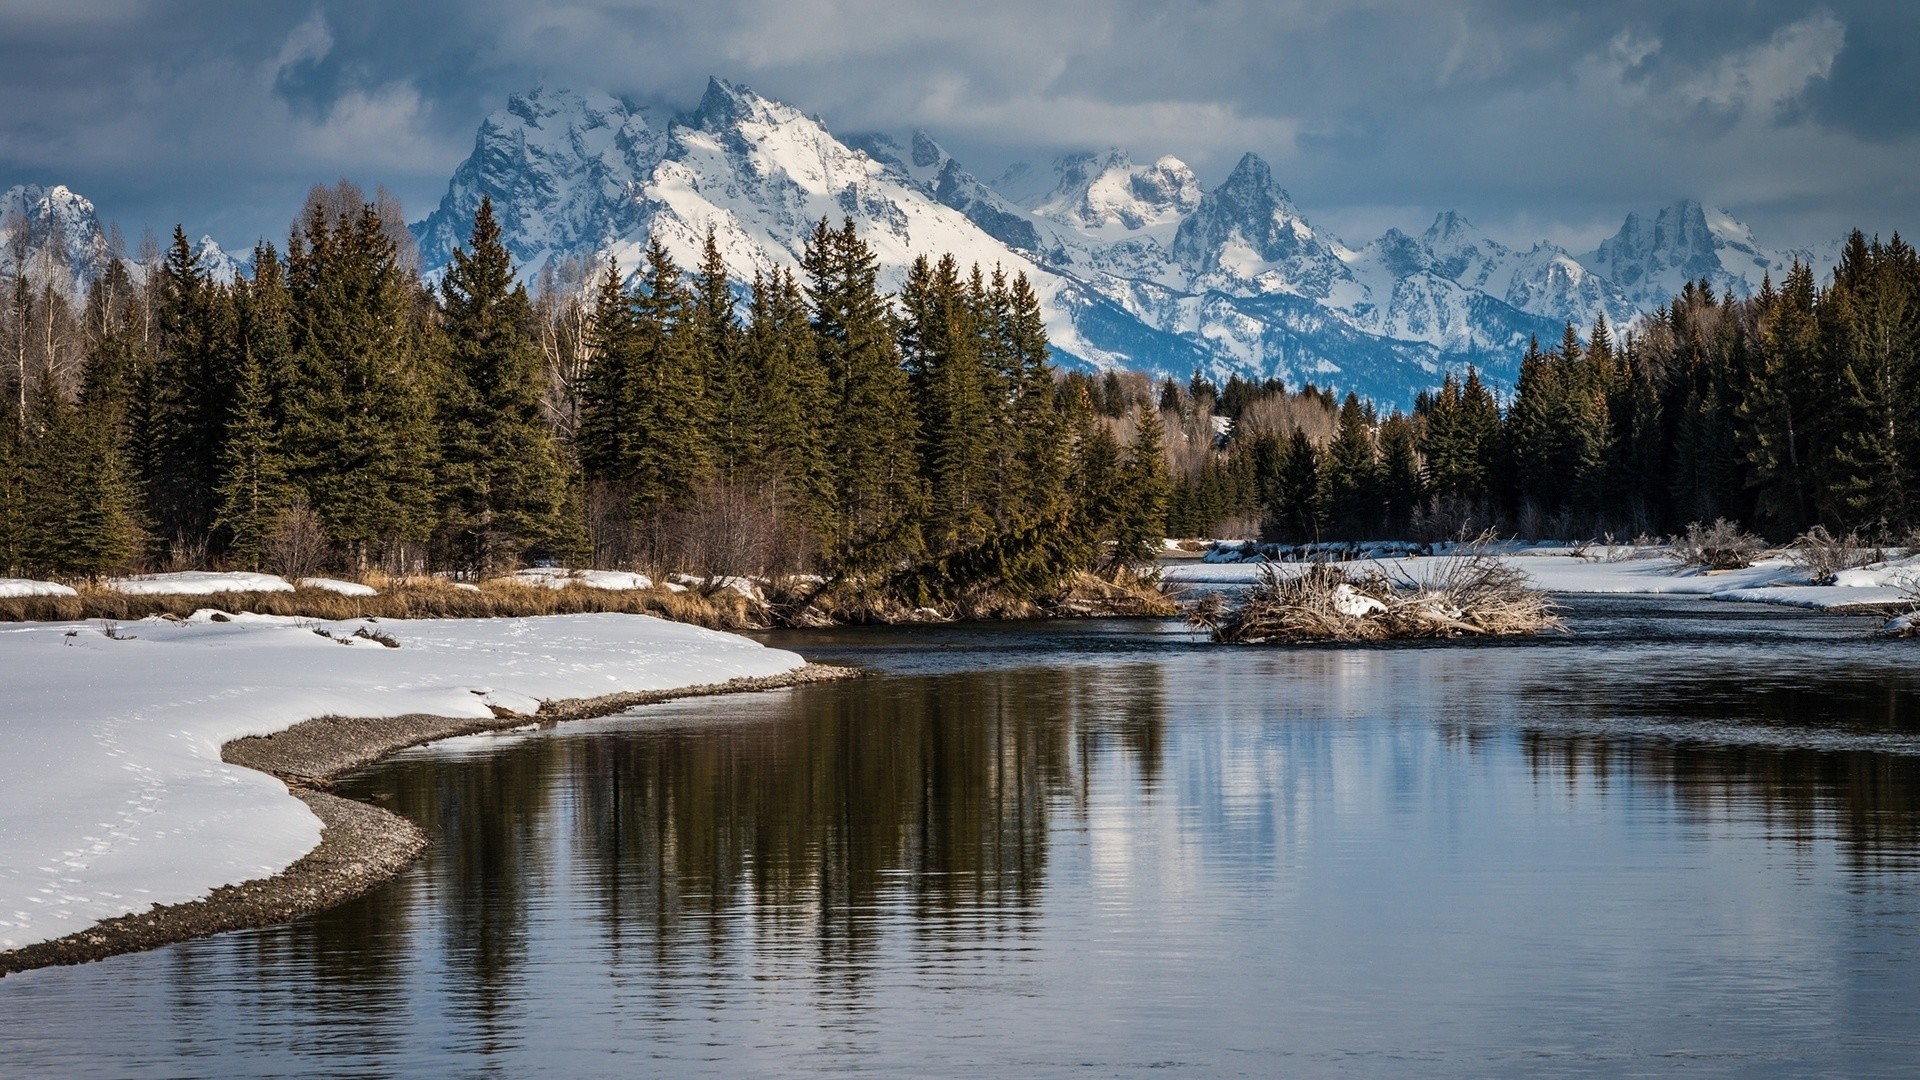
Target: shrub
<point>1822,555</point>
<point>1720,546</point>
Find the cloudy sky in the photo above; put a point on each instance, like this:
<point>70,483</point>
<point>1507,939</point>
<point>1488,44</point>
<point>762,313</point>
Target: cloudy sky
<point>1535,119</point>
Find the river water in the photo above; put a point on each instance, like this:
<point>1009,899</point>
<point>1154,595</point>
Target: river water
<point>1685,837</point>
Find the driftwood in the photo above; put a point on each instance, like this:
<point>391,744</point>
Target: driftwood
<point>1470,595</point>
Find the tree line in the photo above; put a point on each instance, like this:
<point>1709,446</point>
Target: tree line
<point>332,410</point>
<point>1796,407</point>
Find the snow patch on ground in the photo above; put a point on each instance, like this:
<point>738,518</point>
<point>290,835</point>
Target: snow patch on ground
<point>113,796</point>
<point>198,583</point>
<point>745,586</point>
<point>11,586</point>
<point>1559,569</point>
<point>335,585</point>
<point>553,577</point>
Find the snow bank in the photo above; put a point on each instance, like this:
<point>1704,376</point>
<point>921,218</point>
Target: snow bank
<point>112,793</point>
<point>1558,569</point>
<point>553,577</point>
<point>335,585</point>
<point>198,583</point>
<point>13,586</point>
<point>745,586</point>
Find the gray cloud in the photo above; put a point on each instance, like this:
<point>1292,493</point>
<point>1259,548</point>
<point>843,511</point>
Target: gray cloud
<point>1801,117</point>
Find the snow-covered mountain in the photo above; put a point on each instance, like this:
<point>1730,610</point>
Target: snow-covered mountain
<point>1651,259</point>
<point>1136,265</point>
<point>53,234</point>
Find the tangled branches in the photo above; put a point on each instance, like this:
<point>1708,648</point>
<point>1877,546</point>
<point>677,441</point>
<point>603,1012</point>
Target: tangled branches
<point>1468,595</point>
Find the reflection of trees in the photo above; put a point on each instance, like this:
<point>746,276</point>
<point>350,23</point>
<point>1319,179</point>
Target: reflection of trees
<point>1866,797</point>
<point>846,800</point>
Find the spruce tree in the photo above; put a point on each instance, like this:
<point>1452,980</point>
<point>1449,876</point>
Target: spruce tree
<point>870,436</point>
<point>1400,485</point>
<point>192,396</point>
<point>504,483</point>
<point>255,490</point>
<point>13,497</point>
<point>733,394</point>
<point>1877,319</point>
<point>359,406</point>
<point>1142,524</point>
<point>1299,504</point>
<point>80,516</point>
<point>1773,408</point>
<point>791,388</point>
<point>1352,475</point>
<point>942,337</point>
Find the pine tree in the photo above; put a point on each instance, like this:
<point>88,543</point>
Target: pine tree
<point>255,490</point>
<point>1877,318</point>
<point>80,517</point>
<point>942,335</point>
<point>792,390</point>
<point>504,483</point>
<point>1037,476</point>
<point>359,430</point>
<point>1142,525</point>
<point>192,396</point>
<point>1400,485</point>
<point>1353,475</point>
<point>734,396</point>
<point>13,496</point>
<point>1299,506</point>
<point>606,387</point>
<point>870,432</point>
<point>668,446</point>
<point>1773,407</point>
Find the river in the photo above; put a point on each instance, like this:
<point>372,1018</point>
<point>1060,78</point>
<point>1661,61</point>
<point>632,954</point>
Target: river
<point>1684,837</point>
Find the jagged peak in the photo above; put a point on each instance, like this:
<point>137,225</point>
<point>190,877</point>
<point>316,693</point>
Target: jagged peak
<point>1448,224</point>
<point>926,152</point>
<point>539,103</point>
<point>727,105</point>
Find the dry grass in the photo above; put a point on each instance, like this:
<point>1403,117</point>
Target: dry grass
<point>1082,595</point>
<point>403,598</point>
<point>794,602</point>
<point>1475,595</point>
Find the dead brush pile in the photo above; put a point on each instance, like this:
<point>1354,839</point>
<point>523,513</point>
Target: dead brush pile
<point>1474,595</point>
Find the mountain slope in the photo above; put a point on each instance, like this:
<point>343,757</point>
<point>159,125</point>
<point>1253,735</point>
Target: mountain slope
<point>1135,265</point>
<point>54,235</point>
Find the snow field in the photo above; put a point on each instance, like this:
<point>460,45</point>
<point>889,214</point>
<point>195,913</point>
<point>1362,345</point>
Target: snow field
<point>553,577</point>
<point>1557,569</point>
<point>113,796</point>
<point>27,587</point>
<point>198,583</point>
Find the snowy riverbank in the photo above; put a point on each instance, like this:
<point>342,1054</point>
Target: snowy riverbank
<point>113,796</point>
<point>1773,580</point>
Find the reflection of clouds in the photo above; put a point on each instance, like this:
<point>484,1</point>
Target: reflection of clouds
<point>1307,859</point>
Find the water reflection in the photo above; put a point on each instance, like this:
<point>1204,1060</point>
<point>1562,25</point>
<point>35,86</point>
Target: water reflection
<point>1034,854</point>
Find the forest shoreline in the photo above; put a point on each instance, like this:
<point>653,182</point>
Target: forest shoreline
<point>362,846</point>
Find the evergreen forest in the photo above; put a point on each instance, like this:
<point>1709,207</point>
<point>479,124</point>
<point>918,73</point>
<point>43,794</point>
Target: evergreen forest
<point>334,412</point>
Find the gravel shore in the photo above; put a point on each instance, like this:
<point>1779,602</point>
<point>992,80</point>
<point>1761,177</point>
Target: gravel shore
<point>361,846</point>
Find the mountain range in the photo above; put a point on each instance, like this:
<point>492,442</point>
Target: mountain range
<point>1137,265</point>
